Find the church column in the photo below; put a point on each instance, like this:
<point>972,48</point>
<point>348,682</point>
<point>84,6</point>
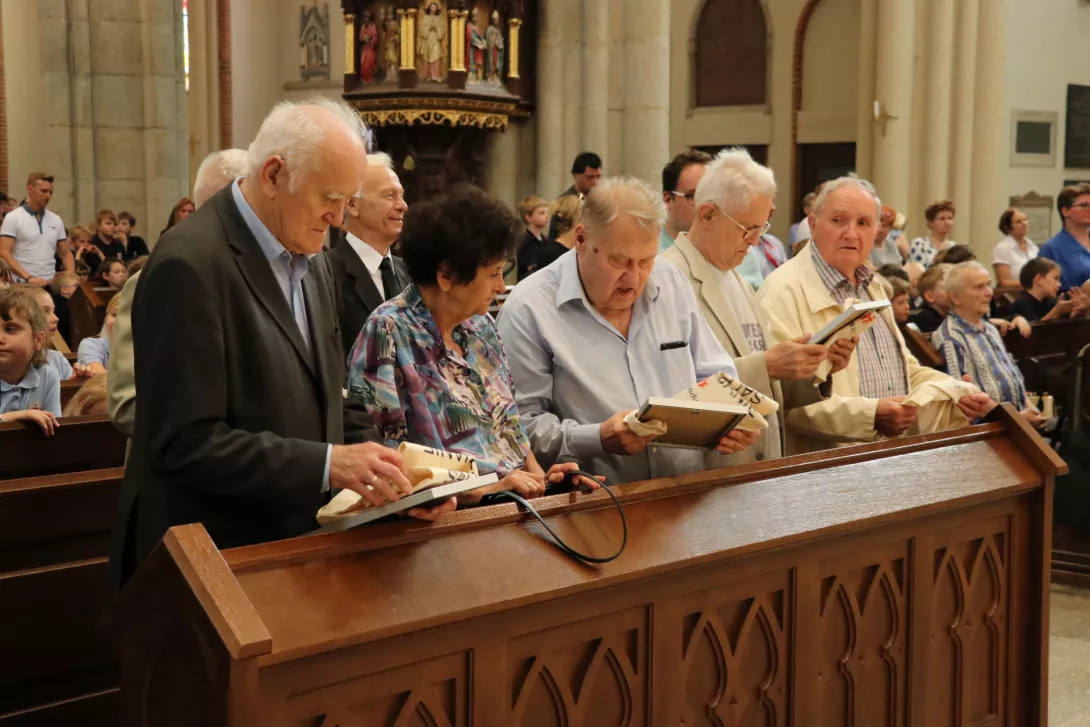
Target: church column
<point>573,73</point>
<point>893,83</point>
<point>964,109</point>
<point>551,100</point>
<point>647,89</point>
<point>987,201</point>
<point>940,71</point>
<point>596,77</point>
<point>864,131</point>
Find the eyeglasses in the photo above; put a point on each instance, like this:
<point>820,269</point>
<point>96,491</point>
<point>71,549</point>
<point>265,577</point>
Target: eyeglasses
<point>690,197</point>
<point>1082,205</point>
<point>749,234</point>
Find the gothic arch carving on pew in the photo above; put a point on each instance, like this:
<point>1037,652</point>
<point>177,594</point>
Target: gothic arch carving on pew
<point>743,46</point>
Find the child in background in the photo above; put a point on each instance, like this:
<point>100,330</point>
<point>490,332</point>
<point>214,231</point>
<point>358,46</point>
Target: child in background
<point>5,275</point>
<point>90,399</point>
<point>30,390</point>
<point>85,252</point>
<point>126,230</point>
<point>114,273</point>
<point>535,215</point>
<point>1039,301</point>
<point>899,300</point>
<point>94,353</point>
<point>64,284</point>
<point>44,300</point>
<point>932,288</point>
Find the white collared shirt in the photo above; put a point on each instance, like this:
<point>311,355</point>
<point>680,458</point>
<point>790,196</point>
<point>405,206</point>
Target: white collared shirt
<point>371,260</point>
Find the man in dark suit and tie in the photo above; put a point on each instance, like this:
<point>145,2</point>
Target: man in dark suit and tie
<point>238,356</point>
<point>367,274</point>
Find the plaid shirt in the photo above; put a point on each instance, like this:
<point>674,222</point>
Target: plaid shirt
<point>882,368</point>
<point>978,350</point>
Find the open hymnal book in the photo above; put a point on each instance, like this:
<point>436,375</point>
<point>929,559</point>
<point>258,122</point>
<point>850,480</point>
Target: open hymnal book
<point>855,320</point>
<point>434,475</point>
<point>700,409</point>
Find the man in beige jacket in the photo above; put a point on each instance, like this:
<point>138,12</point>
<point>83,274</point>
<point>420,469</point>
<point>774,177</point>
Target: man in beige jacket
<point>733,202</point>
<point>810,290</point>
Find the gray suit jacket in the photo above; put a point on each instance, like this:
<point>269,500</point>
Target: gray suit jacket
<point>751,365</point>
<point>236,409</point>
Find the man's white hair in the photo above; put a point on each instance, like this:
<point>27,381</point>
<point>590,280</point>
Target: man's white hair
<point>218,169</point>
<point>292,132</point>
<point>956,275</point>
<point>732,180</point>
<point>851,180</point>
<point>380,159</point>
<point>617,196</point>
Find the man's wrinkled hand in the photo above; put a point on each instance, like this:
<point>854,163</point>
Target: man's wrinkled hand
<point>617,438</point>
<point>840,353</point>
<point>376,472</point>
<point>736,440</point>
<point>794,359</point>
<point>974,406</point>
<point>892,418</point>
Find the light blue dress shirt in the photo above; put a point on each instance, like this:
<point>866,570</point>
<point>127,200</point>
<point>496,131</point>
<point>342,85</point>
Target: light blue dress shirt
<point>95,350</point>
<point>573,370</point>
<point>289,270</point>
<point>40,388</point>
<point>665,241</point>
<point>59,363</point>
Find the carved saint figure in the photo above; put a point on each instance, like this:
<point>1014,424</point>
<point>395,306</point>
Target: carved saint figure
<point>433,30</point>
<point>368,43</point>
<point>475,47</point>
<point>494,41</point>
<point>393,45</point>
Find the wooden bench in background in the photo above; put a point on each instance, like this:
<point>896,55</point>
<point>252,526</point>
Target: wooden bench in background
<point>58,503</point>
<point>1047,357</point>
<point>69,388</point>
<point>919,345</point>
<point>87,312</point>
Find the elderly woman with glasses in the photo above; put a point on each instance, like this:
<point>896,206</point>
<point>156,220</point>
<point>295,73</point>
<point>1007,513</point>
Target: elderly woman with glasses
<point>428,364</point>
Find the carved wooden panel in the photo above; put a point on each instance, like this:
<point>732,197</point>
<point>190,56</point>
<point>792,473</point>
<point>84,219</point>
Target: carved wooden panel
<point>731,67</point>
<point>969,632</point>
<point>863,638</point>
<point>584,674</point>
<point>433,693</point>
<point>735,653</point>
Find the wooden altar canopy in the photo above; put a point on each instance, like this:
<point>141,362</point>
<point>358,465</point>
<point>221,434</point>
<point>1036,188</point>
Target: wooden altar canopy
<point>898,583</point>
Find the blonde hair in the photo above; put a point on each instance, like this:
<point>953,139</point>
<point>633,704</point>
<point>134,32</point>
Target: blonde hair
<point>62,279</point>
<point>568,212</point>
<point>92,394</point>
<point>111,307</point>
<point>529,204</point>
<point>78,231</point>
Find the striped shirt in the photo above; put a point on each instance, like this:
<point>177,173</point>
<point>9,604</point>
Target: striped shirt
<point>882,366</point>
<point>978,350</point>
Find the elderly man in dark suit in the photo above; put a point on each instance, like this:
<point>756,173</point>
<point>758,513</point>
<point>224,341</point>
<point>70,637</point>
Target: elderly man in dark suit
<point>238,356</point>
<point>367,275</point>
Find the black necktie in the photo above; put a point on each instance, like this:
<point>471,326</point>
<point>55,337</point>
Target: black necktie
<point>389,280</point>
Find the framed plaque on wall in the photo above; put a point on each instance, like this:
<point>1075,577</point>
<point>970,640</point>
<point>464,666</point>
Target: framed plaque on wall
<point>1038,209</point>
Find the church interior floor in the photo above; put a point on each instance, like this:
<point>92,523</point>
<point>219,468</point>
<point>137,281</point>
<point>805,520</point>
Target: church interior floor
<point>1069,661</point>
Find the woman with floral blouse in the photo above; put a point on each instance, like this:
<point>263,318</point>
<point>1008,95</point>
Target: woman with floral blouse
<point>429,364</point>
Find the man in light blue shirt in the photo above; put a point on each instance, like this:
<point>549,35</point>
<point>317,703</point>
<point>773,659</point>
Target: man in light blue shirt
<point>592,336</point>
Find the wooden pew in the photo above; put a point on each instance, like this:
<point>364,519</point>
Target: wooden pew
<point>919,345</point>
<point>1047,356</point>
<point>57,665</point>
<point>80,443</point>
<point>848,582</point>
<point>1003,301</point>
<point>87,311</point>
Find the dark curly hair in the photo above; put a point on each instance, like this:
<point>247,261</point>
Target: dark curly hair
<point>459,232</point>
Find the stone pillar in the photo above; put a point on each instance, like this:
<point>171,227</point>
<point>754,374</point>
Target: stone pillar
<point>647,89</point>
<point>550,104</point>
<point>988,150</point>
<point>864,127</point>
<point>940,71</point>
<point>596,78</point>
<point>572,43</point>
<point>503,165</point>
<point>893,77</point>
<point>614,149</point>
<point>964,110</point>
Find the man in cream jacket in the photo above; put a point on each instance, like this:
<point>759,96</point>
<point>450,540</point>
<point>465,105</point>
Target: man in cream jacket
<point>733,202</point>
<point>810,290</point>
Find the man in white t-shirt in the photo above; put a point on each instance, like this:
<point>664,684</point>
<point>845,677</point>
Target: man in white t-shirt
<point>31,236</point>
<point>734,201</point>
